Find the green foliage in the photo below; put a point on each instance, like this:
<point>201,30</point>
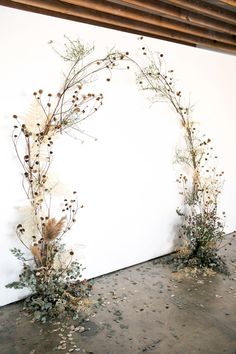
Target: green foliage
<point>27,279</point>
<point>74,50</point>
<point>202,234</point>
<point>18,254</point>
<point>56,291</point>
<point>203,230</point>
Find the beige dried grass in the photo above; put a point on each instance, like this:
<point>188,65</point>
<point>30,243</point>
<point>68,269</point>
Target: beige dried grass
<point>53,229</point>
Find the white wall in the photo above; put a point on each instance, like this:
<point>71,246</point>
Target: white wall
<point>126,179</point>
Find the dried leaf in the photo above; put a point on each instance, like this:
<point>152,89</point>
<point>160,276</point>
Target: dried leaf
<point>36,251</point>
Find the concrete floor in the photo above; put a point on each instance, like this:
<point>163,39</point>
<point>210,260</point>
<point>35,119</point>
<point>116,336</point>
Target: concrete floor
<point>145,308</point>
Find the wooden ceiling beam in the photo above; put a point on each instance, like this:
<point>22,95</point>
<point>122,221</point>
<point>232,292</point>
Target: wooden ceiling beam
<point>137,15</point>
<point>204,8</point>
<point>178,14</point>
<point>130,21</point>
<point>227,2</point>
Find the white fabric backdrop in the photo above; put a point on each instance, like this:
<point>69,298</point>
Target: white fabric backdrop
<point>126,179</point>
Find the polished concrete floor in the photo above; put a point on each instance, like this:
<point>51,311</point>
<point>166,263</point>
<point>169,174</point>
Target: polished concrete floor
<point>142,309</point>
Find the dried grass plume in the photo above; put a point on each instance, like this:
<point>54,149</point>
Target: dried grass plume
<point>53,229</point>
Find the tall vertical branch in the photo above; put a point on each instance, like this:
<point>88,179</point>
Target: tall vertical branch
<point>202,230</point>
<point>49,277</point>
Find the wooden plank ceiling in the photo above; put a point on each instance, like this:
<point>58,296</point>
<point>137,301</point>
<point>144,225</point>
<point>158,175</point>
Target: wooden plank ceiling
<point>206,24</point>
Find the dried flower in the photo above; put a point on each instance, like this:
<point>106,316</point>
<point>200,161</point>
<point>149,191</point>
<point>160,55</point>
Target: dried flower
<point>36,251</point>
<point>53,229</point>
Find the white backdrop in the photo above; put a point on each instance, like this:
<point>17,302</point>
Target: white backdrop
<point>126,179</point>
